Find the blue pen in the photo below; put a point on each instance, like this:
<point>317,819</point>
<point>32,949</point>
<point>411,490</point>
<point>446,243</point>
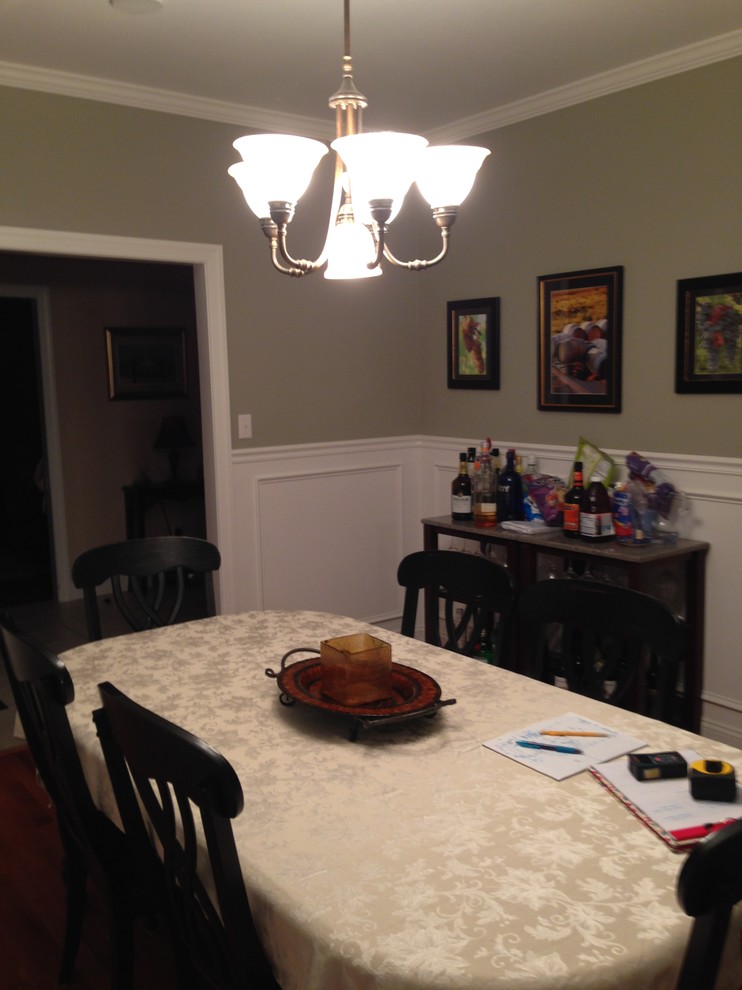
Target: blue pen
<point>553,749</point>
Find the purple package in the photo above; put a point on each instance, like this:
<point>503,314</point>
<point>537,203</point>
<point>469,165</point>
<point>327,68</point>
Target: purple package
<point>664,490</point>
<point>548,494</point>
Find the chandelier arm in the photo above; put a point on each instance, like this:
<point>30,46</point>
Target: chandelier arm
<point>419,265</point>
<point>275,229</point>
<point>270,229</point>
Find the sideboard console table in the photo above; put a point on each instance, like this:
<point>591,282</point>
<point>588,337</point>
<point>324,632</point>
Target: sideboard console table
<point>674,573</point>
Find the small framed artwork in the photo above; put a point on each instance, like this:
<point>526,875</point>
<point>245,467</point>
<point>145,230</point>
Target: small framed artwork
<point>708,356</point>
<point>474,343</point>
<point>146,363</point>
<point>579,354</point>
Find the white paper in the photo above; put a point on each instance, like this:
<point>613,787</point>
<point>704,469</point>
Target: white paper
<point>594,749</point>
<point>668,802</point>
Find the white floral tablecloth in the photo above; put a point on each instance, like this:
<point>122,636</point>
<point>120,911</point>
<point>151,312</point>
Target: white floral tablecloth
<point>413,857</point>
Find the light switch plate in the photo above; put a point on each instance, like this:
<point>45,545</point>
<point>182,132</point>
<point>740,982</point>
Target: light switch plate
<point>244,426</point>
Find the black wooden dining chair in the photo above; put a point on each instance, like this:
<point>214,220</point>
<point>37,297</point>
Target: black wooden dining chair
<point>92,845</point>
<point>161,773</point>
<point>148,578</point>
<point>709,885</point>
<point>478,596</point>
<point>607,642</point>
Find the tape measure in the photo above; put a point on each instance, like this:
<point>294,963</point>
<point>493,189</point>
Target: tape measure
<point>712,780</point>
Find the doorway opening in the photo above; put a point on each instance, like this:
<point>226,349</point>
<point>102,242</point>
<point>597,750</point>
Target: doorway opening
<point>26,538</point>
<point>208,274</point>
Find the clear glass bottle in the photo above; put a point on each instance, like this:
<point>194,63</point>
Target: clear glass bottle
<point>461,496</point>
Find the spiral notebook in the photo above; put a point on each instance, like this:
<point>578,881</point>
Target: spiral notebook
<point>666,806</point>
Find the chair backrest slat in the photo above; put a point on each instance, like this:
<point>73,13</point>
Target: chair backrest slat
<point>148,579</point>
<point>607,642</point>
<point>482,588</point>
<point>42,688</point>
<point>709,885</point>
<point>177,780</point>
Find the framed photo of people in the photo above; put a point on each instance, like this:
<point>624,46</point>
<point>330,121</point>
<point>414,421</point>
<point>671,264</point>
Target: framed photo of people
<point>579,353</point>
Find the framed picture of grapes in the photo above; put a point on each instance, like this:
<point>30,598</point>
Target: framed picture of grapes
<point>579,353</point>
<point>709,334</point>
<point>473,338</point>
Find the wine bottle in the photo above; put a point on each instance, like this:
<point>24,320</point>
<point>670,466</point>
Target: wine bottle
<point>461,500</point>
<point>573,503</point>
<point>596,515</point>
<point>509,491</point>
<point>485,508</point>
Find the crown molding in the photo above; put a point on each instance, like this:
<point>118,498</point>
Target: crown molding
<point>647,70</point>
<point>166,101</point>
<point>161,100</point>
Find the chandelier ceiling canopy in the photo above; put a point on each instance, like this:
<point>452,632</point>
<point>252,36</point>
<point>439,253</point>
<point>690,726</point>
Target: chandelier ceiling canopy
<point>373,172</point>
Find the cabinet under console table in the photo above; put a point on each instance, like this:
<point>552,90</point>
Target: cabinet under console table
<point>674,573</point>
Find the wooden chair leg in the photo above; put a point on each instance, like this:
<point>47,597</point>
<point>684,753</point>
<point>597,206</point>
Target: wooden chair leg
<point>75,877</point>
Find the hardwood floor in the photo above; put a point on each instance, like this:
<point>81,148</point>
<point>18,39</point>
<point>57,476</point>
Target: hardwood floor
<point>32,905</point>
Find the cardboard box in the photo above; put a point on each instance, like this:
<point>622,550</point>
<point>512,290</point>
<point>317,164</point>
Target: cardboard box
<point>356,670</point>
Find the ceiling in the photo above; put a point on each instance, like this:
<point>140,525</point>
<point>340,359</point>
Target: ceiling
<point>446,69</point>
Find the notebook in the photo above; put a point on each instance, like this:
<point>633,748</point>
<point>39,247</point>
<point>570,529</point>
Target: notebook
<point>592,743</point>
<point>666,806</point>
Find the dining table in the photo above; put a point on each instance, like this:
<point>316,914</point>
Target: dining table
<point>406,855</point>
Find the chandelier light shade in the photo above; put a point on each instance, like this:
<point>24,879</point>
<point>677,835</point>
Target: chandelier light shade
<point>373,173</point>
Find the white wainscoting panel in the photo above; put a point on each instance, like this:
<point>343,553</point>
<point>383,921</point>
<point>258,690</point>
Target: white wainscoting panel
<point>324,526</point>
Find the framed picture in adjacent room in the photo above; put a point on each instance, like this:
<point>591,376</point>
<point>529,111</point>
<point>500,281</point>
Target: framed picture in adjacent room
<point>579,352</point>
<point>473,337</point>
<point>708,355</point>
<point>146,363</point>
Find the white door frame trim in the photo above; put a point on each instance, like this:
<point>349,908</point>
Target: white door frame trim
<point>208,266</point>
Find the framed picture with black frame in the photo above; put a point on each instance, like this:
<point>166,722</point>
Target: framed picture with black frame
<point>708,356</point>
<point>146,363</point>
<point>473,338</point>
<point>579,348</point>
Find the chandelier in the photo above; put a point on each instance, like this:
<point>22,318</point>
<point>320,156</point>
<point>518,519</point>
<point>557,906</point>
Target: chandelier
<point>373,172</point>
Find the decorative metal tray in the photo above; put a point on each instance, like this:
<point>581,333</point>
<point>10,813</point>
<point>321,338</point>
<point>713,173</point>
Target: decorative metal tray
<point>413,693</point>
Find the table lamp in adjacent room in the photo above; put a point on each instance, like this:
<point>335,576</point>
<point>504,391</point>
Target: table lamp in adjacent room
<point>173,437</point>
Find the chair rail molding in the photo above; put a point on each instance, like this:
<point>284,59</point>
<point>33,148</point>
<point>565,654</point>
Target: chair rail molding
<point>324,526</point>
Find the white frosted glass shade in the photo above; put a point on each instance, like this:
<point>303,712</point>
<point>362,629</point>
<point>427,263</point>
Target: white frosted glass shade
<point>350,251</point>
<point>380,165</point>
<point>275,167</point>
<point>447,173</point>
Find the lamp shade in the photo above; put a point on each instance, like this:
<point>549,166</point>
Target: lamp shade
<point>351,250</point>
<point>275,168</point>
<point>447,172</point>
<point>380,165</point>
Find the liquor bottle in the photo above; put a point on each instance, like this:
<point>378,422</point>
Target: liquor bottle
<point>509,491</point>
<point>573,503</point>
<point>596,515</point>
<point>461,500</point>
<point>471,457</point>
<point>485,508</point>
<point>495,462</point>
